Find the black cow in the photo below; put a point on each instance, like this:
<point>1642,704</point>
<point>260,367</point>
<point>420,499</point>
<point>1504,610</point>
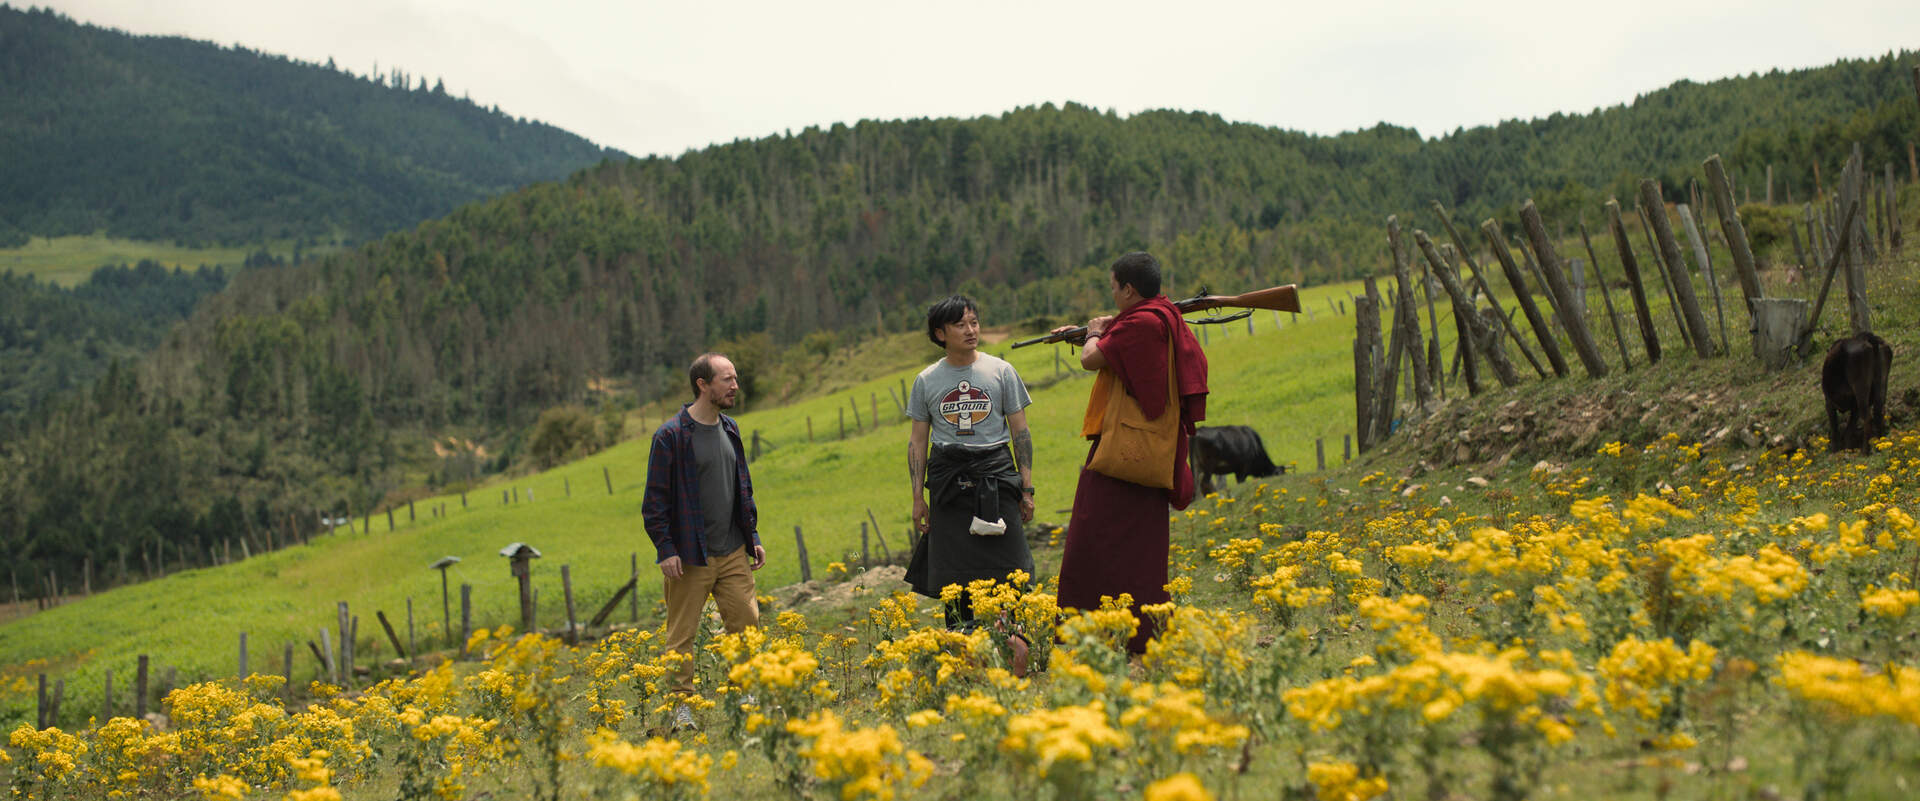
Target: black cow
<point>1854,379</point>
<point>1219,450</point>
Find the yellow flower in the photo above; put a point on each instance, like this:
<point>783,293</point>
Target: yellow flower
<point>1178,787</point>
<point>1340,781</point>
<point>1889,603</point>
<point>220,788</point>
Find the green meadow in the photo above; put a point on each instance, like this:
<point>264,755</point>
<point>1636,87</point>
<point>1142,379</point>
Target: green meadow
<point>68,260</point>
<point>1291,379</point>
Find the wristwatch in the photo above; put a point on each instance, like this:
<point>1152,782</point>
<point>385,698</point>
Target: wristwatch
<point>1027,490</point>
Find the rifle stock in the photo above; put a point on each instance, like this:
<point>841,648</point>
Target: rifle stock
<point>1284,298</point>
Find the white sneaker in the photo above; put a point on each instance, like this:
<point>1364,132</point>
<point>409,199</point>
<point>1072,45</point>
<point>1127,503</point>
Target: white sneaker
<point>683,718</point>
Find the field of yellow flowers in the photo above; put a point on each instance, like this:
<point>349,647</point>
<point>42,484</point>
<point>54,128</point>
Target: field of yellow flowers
<point>1655,621</point>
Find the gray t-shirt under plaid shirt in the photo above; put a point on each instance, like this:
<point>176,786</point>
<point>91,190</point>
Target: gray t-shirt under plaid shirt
<point>714,464</point>
<point>968,405</point>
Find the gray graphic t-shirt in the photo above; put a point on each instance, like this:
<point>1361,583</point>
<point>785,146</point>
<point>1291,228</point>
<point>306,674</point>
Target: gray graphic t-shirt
<point>968,405</point>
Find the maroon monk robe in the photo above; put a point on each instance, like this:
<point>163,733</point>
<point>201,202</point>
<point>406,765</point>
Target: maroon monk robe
<point>1117,537</point>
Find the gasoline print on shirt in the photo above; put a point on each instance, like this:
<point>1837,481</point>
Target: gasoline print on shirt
<point>965,405</point>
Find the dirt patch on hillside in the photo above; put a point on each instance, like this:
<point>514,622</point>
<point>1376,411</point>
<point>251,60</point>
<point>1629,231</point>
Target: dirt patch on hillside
<point>1572,418</point>
<point>882,580</point>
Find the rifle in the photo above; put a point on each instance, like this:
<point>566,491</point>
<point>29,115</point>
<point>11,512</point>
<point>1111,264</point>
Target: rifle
<point>1284,298</point>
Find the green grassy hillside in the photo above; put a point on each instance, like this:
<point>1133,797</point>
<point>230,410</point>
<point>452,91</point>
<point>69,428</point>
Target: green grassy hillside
<point>1293,382</point>
<point>68,260</point>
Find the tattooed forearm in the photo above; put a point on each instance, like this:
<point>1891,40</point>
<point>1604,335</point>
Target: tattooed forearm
<point>1023,450</point>
<point>917,465</point>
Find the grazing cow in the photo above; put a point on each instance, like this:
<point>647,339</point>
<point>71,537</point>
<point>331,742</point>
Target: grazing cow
<point>1854,379</point>
<point>1219,450</point>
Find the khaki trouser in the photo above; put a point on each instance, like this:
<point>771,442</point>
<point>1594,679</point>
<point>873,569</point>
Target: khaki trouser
<point>729,580</point>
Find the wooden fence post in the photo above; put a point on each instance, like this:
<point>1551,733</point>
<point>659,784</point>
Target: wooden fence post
<point>1606,295</point>
<point>1858,254</point>
<point>413,645</point>
<point>1366,347</point>
<point>392,637</point>
<point>1575,323</point>
<point>1666,279</point>
<point>1736,234</point>
<point>886,553</point>
<point>326,657</point>
<point>1406,318</point>
<point>140,688</point>
<point>856,413</point>
<point>1319,454</point>
<point>604,474</point>
<point>1549,345</point>
<point>389,518</point>
<point>800,549</point>
<point>1655,205</point>
<point>566,588</point>
<point>1386,384</point>
<point>1705,260</point>
<point>1486,341</point>
<point>1507,329</point>
<point>466,617</point>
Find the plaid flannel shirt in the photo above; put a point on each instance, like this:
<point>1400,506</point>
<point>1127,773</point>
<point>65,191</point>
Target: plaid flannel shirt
<point>671,508</point>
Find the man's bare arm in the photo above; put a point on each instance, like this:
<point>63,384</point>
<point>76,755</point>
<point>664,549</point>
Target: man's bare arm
<point>1022,446</point>
<point>917,456</point>
<point>917,472</point>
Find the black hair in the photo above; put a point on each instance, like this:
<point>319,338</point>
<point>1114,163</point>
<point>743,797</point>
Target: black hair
<point>946,312</point>
<point>1139,270</point>
<point>702,370</point>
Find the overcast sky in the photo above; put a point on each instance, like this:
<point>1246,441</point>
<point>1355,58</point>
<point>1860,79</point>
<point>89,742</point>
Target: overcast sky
<point>663,78</point>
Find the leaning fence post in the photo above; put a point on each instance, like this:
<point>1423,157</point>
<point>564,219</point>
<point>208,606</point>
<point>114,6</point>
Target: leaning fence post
<point>466,617</point>
<point>604,473</point>
<point>1549,345</point>
<point>1571,319</point>
<point>800,548</point>
<point>566,589</point>
<point>1721,192</point>
<point>391,636</point>
<point>1656,206</point>
<point>1705,260</point>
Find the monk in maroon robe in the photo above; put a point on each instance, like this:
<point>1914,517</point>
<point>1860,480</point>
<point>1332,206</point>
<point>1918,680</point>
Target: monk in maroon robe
<point>1117,539</point>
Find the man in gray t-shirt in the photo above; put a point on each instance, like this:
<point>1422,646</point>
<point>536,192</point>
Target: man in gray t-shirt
<point>969,407</point>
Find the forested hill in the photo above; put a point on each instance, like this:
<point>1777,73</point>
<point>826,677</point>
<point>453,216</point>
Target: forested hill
<point>164,138</point>
<point>308,387</point>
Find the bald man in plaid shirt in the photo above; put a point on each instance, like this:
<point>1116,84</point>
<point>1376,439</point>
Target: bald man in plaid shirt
<point>700,514</point>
